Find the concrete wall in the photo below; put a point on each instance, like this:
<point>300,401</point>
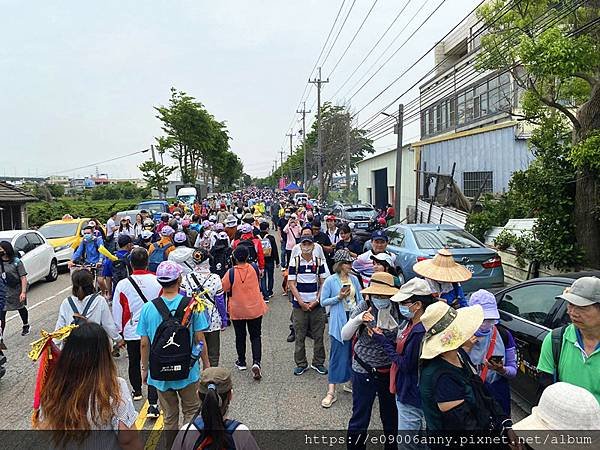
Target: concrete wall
<point>387,160</point>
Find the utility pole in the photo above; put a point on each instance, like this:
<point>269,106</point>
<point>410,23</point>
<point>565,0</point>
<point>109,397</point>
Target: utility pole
<point>160,193</point>
<point>319,82</point>
<point>290,135</point>
<point>304,112</point>
<point>398,188</point>
<point>281,154</point>
<point>348,155</point>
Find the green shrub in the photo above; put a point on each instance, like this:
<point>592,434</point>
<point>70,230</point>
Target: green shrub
<point>41,212</point>
<point>504,240</point>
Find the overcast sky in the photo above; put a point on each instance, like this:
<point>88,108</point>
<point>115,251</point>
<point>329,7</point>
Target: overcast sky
<point>80,79</point>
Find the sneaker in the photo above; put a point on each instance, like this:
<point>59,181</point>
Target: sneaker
<point>115,352</point>
<point>153,412</point>
<point>320,369</point>
<point>240,366</point>
<point>2,359</point>
<point>300,370</point>
<point>266,300</point>
<point>292,336</point>
<point>25,331</point>
<point>137,396</point>
<point>348,387</point>
<point>257,373</point>
<point>3,345</point>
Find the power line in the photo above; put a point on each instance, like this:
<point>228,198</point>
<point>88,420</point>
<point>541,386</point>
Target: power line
<point>543,16</point>
<point>353,38</point>
<point>372,48</point>
<point>102,162</point>
<point>338,33</point>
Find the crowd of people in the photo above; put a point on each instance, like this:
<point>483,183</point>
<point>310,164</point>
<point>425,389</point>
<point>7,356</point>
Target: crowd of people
<point>436,360</point>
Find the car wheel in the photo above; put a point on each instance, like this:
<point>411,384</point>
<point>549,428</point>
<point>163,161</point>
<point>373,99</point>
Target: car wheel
<point>53,272</point>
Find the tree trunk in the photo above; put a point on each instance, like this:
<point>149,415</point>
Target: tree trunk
<point>587,187</point>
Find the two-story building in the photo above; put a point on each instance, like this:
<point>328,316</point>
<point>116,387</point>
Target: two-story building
<point>467,121</point>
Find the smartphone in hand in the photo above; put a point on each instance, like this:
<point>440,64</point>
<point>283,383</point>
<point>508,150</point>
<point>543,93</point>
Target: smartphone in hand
<point>496,359</point>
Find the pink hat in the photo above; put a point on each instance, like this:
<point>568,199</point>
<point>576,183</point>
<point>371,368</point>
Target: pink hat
<point>168,271</point>
<point>246,228</point>
<point>219,227</point>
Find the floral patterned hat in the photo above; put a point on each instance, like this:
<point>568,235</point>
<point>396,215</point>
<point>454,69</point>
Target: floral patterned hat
<point>447,328</point>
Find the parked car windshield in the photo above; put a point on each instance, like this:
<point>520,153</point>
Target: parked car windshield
<point>360,213</point>
<point>434,239</point>
<point>58,230</point>
<point>150,206</point>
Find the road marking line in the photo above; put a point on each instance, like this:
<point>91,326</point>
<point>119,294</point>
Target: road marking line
<point>41,302</point>
<point>155,434</point>
<point>141,418</point>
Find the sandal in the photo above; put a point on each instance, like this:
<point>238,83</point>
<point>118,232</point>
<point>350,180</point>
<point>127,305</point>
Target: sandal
<point>328,400</point>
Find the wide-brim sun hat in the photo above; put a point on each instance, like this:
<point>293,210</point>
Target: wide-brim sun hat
<point>382,283</point>
<point>447,328</point>
<point>443,268</point>
<point>414,286</point>
<point>562,406</point>
<point>383,257</point>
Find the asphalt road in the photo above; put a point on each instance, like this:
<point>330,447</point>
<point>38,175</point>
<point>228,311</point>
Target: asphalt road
<point>279,401</point>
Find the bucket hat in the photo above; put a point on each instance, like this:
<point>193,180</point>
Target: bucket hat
<point>442,268</point>
<point>343,255</point>
<point>415,286</point>
<point>384,256</point>
<point>447,328</point>
<point>562,406</point>
<point>487,301</point>
<point>231,221</point>
<point>382,283</point>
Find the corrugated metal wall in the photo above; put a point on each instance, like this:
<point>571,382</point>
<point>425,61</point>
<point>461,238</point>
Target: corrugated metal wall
<point>497,151</point>
<point>440,215</point>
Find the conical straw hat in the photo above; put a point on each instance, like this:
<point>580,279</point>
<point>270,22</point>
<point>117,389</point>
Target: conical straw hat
<point>442,268</point>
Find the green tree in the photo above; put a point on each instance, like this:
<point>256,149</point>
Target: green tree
<point>57,190</point>
<point>556,62</point>
<point>156,175</point>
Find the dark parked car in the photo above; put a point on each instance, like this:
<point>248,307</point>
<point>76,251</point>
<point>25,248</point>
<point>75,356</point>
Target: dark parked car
<point>530,310</point>
<point>363,216</point>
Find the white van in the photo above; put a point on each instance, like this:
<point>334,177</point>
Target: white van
<point>187,195</point>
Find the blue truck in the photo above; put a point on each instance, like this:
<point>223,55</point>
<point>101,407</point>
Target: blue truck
<point>154,207</point>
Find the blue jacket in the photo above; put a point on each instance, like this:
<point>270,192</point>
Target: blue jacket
<point>329,297</point>
<point>407,388</point>
<point>92,255</point>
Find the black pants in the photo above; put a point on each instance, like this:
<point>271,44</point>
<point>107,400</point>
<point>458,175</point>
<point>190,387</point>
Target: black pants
<point>135,374</point>
<point>254,329</point>
<point>213,344</point>
<point>22,312</point>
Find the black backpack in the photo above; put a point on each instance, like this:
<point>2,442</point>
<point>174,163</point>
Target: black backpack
<point>204,441</point>
<point>121,269</point>
<point>171,349</point>
<point>249,244</point>
<point>557,339</point>
<point>221,260</point>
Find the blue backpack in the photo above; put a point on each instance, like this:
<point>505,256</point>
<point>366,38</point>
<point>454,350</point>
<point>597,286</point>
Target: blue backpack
<point>157,256</point>
<point>205,441</point>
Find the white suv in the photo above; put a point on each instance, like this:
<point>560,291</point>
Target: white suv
<point>37,255</point>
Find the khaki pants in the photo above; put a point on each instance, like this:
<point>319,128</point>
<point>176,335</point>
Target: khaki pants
<point>169,402</point>
<point>315,320</point>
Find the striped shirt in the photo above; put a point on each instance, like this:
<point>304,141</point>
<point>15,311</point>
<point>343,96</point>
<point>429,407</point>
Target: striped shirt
<point>306,274</point>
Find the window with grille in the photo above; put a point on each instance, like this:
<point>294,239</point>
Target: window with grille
<point>473,181</point>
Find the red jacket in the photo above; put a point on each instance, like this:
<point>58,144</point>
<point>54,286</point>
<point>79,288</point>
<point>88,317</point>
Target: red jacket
<point>257,245</point>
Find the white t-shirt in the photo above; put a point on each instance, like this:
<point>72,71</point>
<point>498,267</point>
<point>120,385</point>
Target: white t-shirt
<point>210,282</point>
<point>98,312</point>
<point>126,298</point>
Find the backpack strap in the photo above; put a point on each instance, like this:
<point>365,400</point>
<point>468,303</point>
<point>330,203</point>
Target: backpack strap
<point>488,354</point>
<point>180,311</point>
<point>557,339</point>
<point>72,305</point>
<point>231,274</point>
<point>89,304</point>
<point>161,307</point>
<point>137,289</point>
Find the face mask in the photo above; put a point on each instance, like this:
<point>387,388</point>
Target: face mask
<point>287,216</point>
<point>306,250</point>
<point>485,328</point>
<point>380,303</point>
<point>87,237</point>
<point>406,312</point>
